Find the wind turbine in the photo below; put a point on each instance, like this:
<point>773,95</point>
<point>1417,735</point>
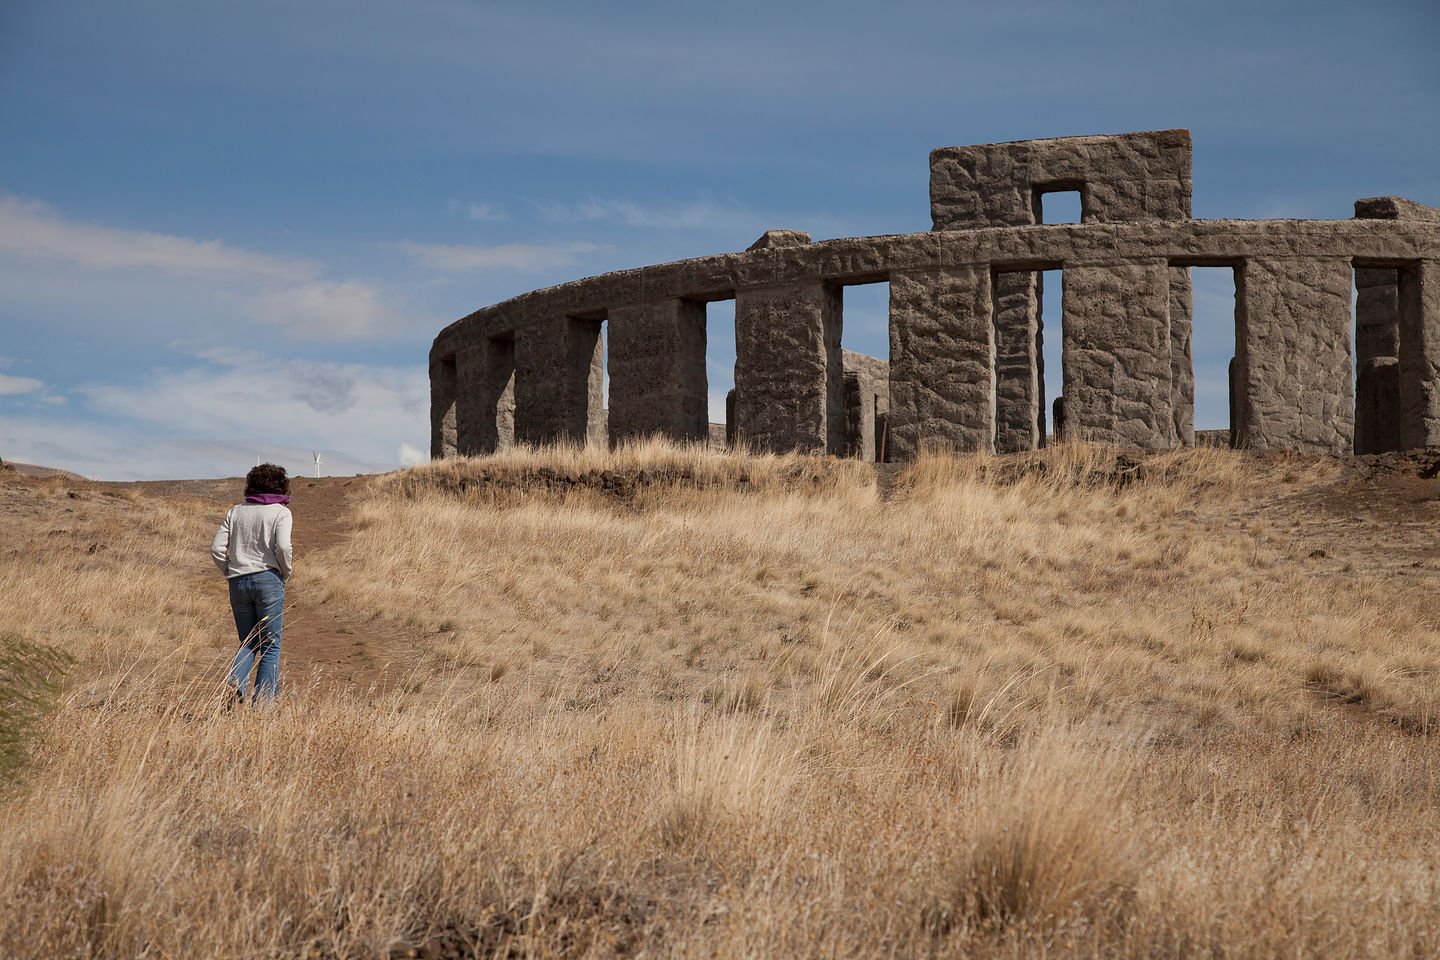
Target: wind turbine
<point>318,461</point>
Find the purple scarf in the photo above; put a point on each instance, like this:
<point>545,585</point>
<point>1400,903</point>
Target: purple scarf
<point>267,498</point>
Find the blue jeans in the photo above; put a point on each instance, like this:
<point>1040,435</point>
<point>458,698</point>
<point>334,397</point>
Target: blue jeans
<point>258,602</point>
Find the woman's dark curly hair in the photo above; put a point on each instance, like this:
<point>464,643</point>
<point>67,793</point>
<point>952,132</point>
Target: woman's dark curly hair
<point>267,478</point>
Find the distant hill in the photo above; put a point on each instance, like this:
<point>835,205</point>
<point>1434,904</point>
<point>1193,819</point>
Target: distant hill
<point>34,470</point>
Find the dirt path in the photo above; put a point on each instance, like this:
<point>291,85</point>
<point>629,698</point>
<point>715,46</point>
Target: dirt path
<point>323,645</point>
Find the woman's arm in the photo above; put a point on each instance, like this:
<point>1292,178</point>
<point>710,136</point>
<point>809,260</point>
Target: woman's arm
<point>282,543</point>
<point>220,545</point>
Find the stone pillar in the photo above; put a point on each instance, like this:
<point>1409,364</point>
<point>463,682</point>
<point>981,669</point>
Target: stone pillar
<point>1116,355</point>
<point>1377,363</point>
<point>730,418</point>
<point>1019,384</point>
<point>859,418</point>
<point>1182,358</point>
<point>867,398</point>
<point>1292,355</point>
<point>657,371</point>
<point>942,361</point>
<point>1232,386</point>
<point>486,405</point>
<point>1377,313</point>
<point>559,380</point>
<point>1419,303</point>
<point>789,392</point>
<point>442,406</point>
<point>1377,405</point>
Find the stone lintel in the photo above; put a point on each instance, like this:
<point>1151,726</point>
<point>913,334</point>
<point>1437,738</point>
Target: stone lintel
<point>942,361</point>
<point>1116,354</point>
<point>1394,208</point>
<point>788,369</point>
<point>1292,355</point>
<point>771,239</point>
<point>657,371</point>
<point>1120,177</point>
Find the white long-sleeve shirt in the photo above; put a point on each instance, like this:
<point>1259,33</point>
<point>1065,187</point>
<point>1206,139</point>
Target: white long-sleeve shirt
<point>252,538</point>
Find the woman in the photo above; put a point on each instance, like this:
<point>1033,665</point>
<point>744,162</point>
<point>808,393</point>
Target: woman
<point>252,549</point>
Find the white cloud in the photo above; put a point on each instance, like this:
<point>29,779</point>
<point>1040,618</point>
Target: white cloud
<point>31,229</point>
<point>338,310</point>
<point>490,212</point>
<point>631,214</point>
<point>459,258</point>
<point>212,418</point>
<point>9,386</point>
<point>409,455</point>
<point>118,452</point>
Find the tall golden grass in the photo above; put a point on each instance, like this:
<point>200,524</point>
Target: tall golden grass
<point>1023,707</point>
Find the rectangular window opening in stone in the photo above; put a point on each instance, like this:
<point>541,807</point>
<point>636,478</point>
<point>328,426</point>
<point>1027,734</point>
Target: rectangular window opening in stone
<point>1049,343</point>
<point>1058,206</point>
<point>865,371</point>
<point>1020,414</point>
<point>1213,334</point>
<point>1376,358</point>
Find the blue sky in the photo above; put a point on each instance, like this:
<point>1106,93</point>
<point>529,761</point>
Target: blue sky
<point>231,230</point>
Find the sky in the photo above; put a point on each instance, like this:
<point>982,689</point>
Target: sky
<point>230,231</point>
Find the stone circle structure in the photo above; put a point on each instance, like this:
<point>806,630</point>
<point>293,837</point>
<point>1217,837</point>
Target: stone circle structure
<point>965,366</point>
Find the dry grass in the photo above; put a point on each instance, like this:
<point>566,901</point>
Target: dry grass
<point>1028,706</point>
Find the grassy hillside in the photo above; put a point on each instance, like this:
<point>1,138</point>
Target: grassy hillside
<point>667,702</point>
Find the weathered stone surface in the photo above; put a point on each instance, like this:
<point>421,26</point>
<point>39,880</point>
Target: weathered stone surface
<point>788,373</point>
<point>867,259</point>
<point>1116,354</point>
<point>1420,355</point>
<point>657,371</point>
<point>1377,364</point>
<point>1377,313</point>
<point>1131,176</point>
<point>1377,405</point>
<point>780,238</point>
<point>559,381</point>
<point>1395,208</point>
<point>1019,361</point>
<point>1135,200</point>
<point>485,410</point>
<point>1182,360</point>
<point>942,361</point>
<point>867,401</point>
<point>730,417</point>
<point>1292,355</point>
<point>442,405</point>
